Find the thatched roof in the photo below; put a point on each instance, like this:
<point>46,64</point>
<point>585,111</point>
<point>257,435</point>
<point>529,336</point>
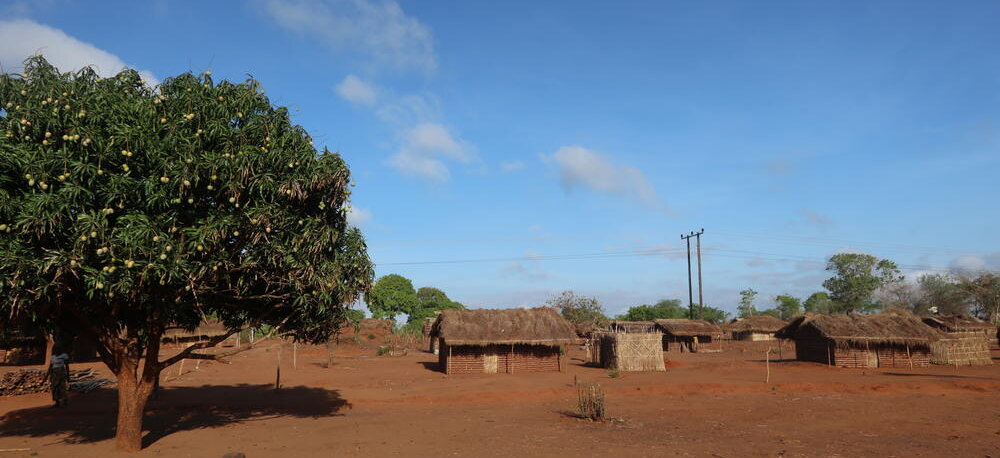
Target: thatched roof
<point>756,323</point>
<point>959,323</point>
<point>206,330</point>
<point>687,328</point>
<point>884,328</point>
<point>541,326</point>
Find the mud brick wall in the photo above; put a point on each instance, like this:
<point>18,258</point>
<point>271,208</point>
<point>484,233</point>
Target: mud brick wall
<point>471,359</point>
<point>706,344</point>
<point>753,336</point>
<point>890,356</point>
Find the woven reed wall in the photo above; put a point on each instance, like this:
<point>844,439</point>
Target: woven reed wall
<point>630,351</point>
<point>964,348</point>
<point>511,359</point>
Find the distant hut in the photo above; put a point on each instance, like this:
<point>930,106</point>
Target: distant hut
<point>628,351</point>
<point>502,340</point>
<point>754,328</point>
<point>883,340</point>
<point>968,342</point>
<point>21,345</point>
<point>428,330</point>
<point>632,327</point>
<point>208,329</point>
<point>690,335</point>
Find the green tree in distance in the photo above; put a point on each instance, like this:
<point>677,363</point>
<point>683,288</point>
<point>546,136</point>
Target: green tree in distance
<point>819,302</point>
<point>746,307</point>
<point>856,278</point>
<point>125,211</point>
<point>578,309</point>
<point>787,306</point>
<point>392,295</point>
<point>429,301</point>
<point>666,308</point>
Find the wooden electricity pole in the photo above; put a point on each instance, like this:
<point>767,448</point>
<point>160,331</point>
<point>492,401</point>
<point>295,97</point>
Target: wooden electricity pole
<point>697,236</point>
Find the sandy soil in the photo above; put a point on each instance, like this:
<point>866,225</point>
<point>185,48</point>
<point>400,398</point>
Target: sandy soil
<point>704,405</point>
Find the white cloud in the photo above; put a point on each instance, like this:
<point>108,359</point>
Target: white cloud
<point>358,217</point>
<point>511,166</point>
<point>357,91</point>
<point>424,148</point>
<point>968,264</point>
<point>22,38</point>
<point>380,31</point>
<point>579,166</point>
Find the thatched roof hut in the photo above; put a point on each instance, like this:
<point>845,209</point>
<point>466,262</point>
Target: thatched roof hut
<point>502,340</point>
<point>968,341</point>
<point>206,330</point>
<point>687,328</point>
<point>850,340</point>
<point>756,327</point>
<point>690,335</point>
<point>844,329</point>
<point>537,326</point>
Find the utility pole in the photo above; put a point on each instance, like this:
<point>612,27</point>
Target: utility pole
<point>697,235</point>
<point>701,299</point>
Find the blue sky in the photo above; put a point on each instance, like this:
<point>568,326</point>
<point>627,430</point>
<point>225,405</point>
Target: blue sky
<point>510,138</point>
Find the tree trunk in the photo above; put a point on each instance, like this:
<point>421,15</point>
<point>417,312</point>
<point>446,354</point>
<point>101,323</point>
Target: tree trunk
<point>132,397</point>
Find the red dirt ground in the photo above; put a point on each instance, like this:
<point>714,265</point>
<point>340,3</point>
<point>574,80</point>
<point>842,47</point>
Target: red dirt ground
<point>704,405</point>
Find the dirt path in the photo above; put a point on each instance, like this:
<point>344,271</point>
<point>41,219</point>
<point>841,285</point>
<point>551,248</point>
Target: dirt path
<point>704,405</point>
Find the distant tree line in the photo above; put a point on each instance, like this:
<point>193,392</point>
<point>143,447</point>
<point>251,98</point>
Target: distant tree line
<point>394,295</point>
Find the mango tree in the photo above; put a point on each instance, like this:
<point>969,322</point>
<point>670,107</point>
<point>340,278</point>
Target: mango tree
<point>126,210</point>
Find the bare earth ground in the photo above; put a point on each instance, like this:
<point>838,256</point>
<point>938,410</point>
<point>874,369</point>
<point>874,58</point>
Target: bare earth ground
<point>704,405</point>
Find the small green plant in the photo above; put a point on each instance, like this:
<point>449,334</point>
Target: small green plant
<point>614,373</point>
<point>590,402</point>
<point>371,336</point>
<point>383,350</point>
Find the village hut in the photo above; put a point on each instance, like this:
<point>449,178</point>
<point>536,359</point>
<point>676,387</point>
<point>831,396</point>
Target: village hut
<point>628,351</point>
<point>690,335</point>
<point>207,330</point>
<point>968,342</point>
<point>587,329</point>
<point>632,327</point>
<point>20,345</point>
<point>755,328</point>
<point>502,340</point>
<point>867,341</point>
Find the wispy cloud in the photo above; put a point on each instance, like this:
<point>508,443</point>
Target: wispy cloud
<point>816,219</point>
<point>424,148</point>
<point>581,167</point>
<point>511,166</point>
<point>379,32</point>
<point>357,91</point>
<point>358,217</point>
<point>23,38</point>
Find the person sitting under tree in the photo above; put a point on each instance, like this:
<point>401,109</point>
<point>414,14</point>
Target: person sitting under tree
<point>58,376</point>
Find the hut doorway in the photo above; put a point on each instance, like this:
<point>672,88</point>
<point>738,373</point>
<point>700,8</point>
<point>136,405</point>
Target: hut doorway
<point>872,358</point>
<point>491,362</point>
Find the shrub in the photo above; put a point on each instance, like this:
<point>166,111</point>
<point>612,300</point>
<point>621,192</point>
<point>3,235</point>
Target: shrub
<point>590,402</point>
<point>371,336</point>
<point>383,350</point>
<point>613,373</point>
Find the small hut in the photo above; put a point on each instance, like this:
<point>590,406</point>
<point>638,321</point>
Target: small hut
<point>968,342</point>
<point>628,351</point>
<point>754,328</point>
<point>502,340</point>
<point>690,335</point>
<point>868,341</point>
<point>208,329</point>
<point>632,327</point>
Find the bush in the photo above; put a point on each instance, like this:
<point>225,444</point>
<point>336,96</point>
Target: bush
<point>371,336</point>
<point>383,350</point>
<point>590,402</point>
<point>613,373</point>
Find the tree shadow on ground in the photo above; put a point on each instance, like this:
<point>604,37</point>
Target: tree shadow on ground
<point>91,417</point>
<point>915,374</point>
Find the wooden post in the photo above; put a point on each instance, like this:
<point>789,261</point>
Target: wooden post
<point>237,340</point>
<point>295,355</point>
<point>180,368</point>
<point>251,336</point>
<point>828,359</point>
<point>910,358</point>
<point>277,371</point>
<point>767,365</point>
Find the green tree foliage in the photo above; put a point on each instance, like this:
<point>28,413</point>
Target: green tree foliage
<point>666,308</point>
<point>578,309</point>
<point>787,306</point>
<point>819,302</point>
<point>714,315</point>
<point>943,292</point>
<point>856,278</point>
<point>429,301</point>
<point>746,307</point>
<point>392,295</point>
<point>126,210</point>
